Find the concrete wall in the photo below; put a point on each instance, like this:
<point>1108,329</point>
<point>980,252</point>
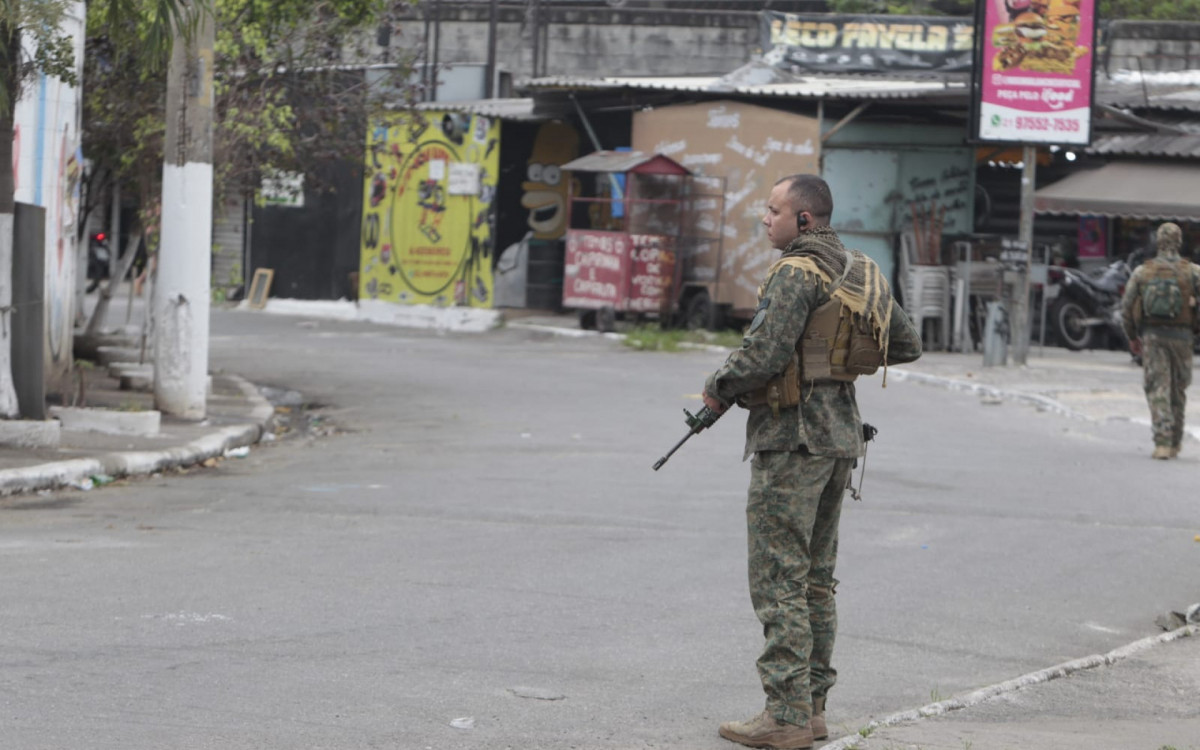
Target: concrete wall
<point>1158,45</point>
<point>599,42</point>
<point>593,42</point>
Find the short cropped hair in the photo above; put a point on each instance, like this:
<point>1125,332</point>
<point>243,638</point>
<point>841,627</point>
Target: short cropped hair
<point>809,192</point>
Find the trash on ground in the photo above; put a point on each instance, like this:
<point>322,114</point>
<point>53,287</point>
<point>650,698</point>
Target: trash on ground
<point>1170,620</point>
<point>465,722</point>
<point>241,452</point>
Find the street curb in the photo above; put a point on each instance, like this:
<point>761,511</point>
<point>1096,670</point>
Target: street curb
<point>575,333</point>
<point>57,474</point>
<point>1043,403</point>
<point>858,741</point>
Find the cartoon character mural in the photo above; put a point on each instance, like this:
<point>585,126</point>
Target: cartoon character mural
<point>430,182</point>
<point>545,185</point>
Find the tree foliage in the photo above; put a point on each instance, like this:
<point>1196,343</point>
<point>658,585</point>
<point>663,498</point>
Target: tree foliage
<point>1155,10</point>
<point>35,25</point>
<point>289,93</point>
<point>1150,10</point>
<point>905,7</point>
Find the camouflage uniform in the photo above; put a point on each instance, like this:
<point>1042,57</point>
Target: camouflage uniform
<point>802,463</point>
<point>1166,350</point>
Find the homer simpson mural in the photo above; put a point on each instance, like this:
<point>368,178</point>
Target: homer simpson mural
<point>545,186</point>
<point>544,193</point>
<point>427,238</point>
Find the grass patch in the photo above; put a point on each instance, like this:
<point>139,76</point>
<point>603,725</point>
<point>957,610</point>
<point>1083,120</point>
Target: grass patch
<point>655,339</point>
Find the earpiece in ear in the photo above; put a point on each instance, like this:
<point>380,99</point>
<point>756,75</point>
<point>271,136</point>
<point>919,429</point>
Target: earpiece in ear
<point>801,221</point>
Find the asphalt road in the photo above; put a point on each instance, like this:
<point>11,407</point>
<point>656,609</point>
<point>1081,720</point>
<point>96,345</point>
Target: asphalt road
<point>483,558</point>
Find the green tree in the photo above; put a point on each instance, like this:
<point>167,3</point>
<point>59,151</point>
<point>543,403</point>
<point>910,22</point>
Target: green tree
<point>290,93</point>
<point>37,25</point>
<point>905,7</point>
<point>1150,10</point>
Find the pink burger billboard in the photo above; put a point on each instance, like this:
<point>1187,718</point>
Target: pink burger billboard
<point>1034,71</point>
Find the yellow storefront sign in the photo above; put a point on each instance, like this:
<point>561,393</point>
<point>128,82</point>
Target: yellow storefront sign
<point>427,209</point>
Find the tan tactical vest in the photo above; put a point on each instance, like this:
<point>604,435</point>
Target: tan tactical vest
<point>834,346</point>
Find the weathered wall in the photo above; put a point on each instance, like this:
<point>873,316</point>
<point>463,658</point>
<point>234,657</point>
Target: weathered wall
<point>597,42</point>
<point>1153,45</point>
<point>594,42</point>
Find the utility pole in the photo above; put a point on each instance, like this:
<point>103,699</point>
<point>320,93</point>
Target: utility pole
<point>181,301</point>
<point>1020,320</point>
<point>489,86</point>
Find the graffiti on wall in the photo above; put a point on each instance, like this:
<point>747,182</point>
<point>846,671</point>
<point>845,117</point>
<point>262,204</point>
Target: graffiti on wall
<point>47,170</point>
<point>545,186</point>
<point>740,149</point>
<point>427,235</point>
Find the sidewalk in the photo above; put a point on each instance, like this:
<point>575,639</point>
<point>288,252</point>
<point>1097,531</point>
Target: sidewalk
<point>1145,695</point>
<point>237,417</point>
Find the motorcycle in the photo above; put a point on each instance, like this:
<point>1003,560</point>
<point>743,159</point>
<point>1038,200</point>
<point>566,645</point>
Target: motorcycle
<point>97,260</point>
<point>1087,309</point>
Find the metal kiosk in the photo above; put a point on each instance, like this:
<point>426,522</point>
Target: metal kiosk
<point>626,211</point>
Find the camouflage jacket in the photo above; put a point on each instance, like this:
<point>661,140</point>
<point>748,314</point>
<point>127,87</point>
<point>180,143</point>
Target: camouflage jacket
<point>1131,312</point>
<point>827,420</point>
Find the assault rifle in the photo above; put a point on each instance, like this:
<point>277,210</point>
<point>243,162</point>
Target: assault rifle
<point>696,423</point>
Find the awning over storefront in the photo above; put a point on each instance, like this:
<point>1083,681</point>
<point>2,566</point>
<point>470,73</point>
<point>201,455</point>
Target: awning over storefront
<point>1129,189</point>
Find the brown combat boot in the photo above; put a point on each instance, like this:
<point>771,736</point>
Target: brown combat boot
<point>764,731</point>
<point>1174,451</point>
<point>819,729</point>
<point>1161,453</point>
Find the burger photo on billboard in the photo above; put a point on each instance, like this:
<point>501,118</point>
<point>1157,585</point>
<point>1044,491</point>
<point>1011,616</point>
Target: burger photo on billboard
<point>1030,28</point>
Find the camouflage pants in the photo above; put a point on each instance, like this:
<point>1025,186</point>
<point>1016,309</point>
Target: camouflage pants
<point>795,502</point>
<point>1167,371</point>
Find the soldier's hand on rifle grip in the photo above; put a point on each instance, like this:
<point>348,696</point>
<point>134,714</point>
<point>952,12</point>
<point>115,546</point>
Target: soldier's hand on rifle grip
<point>714,404</point>
<point>1135,347</point>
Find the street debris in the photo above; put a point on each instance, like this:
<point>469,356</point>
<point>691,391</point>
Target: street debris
<point>1174,620</point>
<point>540,694</point>
<point>84,484</point>
<point>241,452</point>
<point>465,722</point>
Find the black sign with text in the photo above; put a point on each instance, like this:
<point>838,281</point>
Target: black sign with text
<point>832,43</point>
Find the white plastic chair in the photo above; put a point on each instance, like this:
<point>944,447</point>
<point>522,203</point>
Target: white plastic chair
<point>926,293</point>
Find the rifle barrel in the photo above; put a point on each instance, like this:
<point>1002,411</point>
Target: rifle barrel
<point>671,452</point>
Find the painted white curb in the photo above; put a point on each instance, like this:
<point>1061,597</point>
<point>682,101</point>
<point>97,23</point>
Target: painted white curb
<point>459,319</point>
<point>130,463</point>
<point>856,741</point>
<point>107,421</point>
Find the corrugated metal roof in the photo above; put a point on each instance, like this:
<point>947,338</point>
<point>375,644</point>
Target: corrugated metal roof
<point>1178,90</point>
<point>504,109</point>
<point>1130,189</point>
<point>619,161</point>
<point>1147,144</point>
<point>810,87</point>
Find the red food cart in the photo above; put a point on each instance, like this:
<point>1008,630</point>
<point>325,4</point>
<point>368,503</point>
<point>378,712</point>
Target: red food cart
<point>626,213</point>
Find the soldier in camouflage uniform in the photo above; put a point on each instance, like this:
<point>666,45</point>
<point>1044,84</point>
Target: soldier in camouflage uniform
<point>1165,344</point>
<point>803,453</point>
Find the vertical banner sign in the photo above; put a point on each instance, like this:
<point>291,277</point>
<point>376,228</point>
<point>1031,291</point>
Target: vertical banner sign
<point>427,230</point>
<point>1034,71</point>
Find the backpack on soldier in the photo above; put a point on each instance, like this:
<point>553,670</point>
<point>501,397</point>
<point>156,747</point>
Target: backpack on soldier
<point>1164,301</point>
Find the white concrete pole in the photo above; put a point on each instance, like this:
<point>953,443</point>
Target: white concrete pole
<point>181,290</point>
